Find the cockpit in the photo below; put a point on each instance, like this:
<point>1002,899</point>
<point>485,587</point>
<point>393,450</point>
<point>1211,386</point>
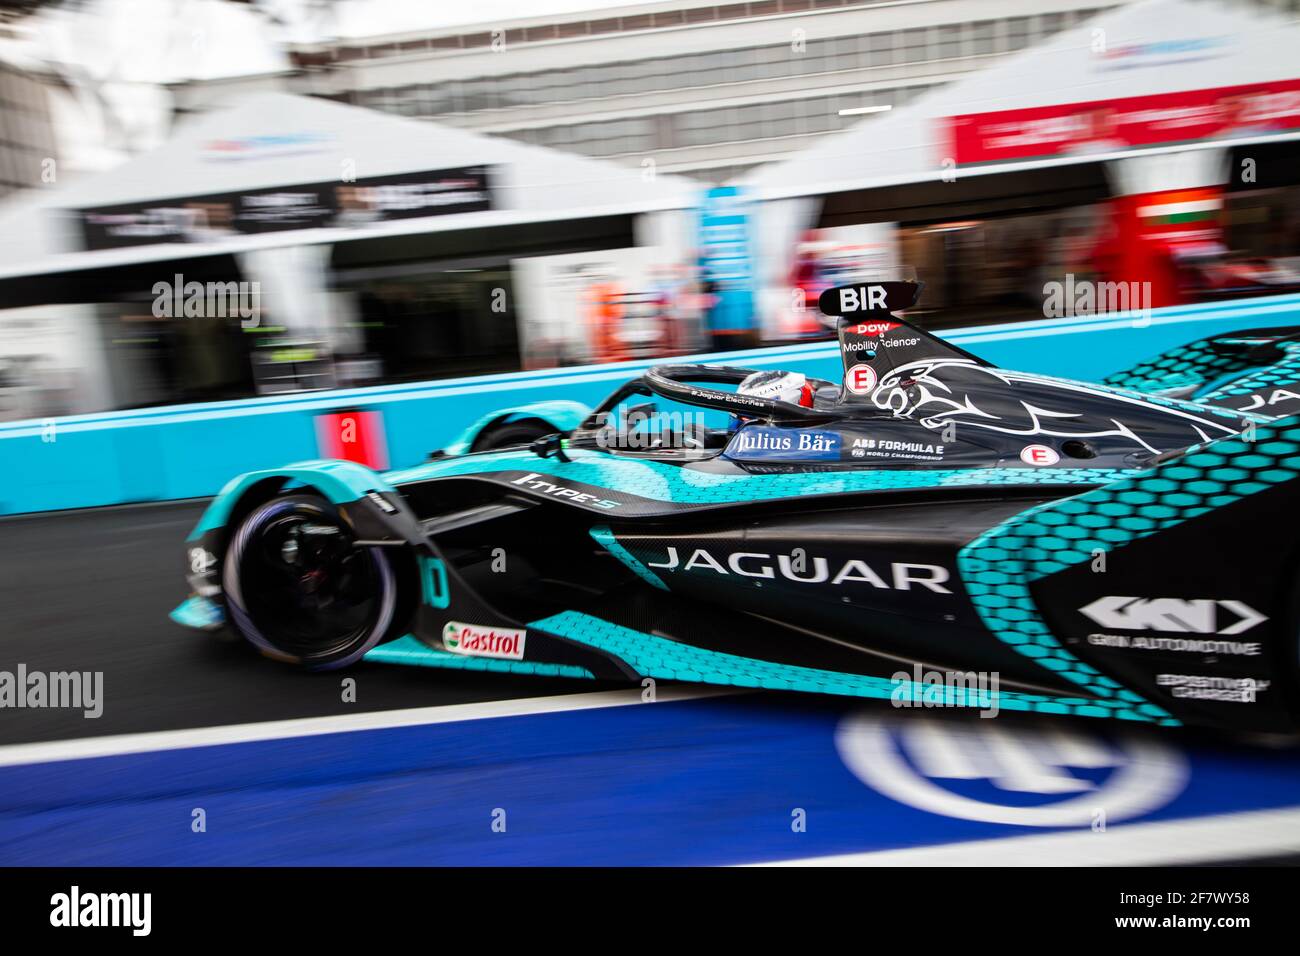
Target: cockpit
<point>687,418</point>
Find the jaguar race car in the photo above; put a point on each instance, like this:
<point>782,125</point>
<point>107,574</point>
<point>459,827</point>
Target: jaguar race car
<point>1101,550</point>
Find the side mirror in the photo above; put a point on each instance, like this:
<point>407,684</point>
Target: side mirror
<point>638,413</point>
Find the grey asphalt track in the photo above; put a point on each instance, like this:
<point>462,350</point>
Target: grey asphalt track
<point>90,591</point>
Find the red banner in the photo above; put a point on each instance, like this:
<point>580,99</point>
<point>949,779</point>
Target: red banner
<point>1134,122</point>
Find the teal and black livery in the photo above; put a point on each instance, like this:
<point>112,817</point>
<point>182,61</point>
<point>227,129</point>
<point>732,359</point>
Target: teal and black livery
<point>1254,371</point>
<point>1030,544</point>
<point>532,420</point>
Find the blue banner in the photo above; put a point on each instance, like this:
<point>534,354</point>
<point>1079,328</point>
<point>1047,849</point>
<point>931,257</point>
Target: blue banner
<point>726,259</point>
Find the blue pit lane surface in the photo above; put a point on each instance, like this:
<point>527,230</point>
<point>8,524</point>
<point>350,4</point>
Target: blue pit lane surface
<point>724,780</point>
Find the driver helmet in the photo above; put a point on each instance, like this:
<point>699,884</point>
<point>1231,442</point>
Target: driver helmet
<point>792,387</point>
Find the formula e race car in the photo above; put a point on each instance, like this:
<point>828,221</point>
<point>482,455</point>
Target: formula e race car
<point>927,524</point>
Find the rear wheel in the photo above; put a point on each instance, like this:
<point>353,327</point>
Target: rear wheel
<point>298,590</point>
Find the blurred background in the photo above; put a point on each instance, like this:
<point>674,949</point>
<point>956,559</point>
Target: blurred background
<point>232,233</point>
<point>412,191</point>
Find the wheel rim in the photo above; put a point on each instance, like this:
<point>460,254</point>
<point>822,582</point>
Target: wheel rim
<point>305,589</point>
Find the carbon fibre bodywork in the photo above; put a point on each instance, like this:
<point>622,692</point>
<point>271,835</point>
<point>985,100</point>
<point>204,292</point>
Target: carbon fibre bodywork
<point>1098,551</point>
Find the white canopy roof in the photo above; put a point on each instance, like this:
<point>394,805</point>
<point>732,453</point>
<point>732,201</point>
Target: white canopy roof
<point>1157,46</point>
<point>287,140</point>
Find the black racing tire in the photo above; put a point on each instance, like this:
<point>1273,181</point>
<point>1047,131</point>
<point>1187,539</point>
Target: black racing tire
<point>523,432</point>
<point>321,613</point>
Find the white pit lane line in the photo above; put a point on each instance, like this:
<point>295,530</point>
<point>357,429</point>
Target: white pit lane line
<point>1228,836</point>
<point>14,755</point>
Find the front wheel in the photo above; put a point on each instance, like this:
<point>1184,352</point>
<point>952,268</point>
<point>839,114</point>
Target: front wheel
<point>298,589</point>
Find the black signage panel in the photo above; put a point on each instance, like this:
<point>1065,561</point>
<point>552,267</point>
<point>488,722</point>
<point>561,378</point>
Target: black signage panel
<point>216,216</point>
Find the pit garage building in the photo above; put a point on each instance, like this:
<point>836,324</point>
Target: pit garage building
<point>1172,122</point>
<point>356,226</point>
